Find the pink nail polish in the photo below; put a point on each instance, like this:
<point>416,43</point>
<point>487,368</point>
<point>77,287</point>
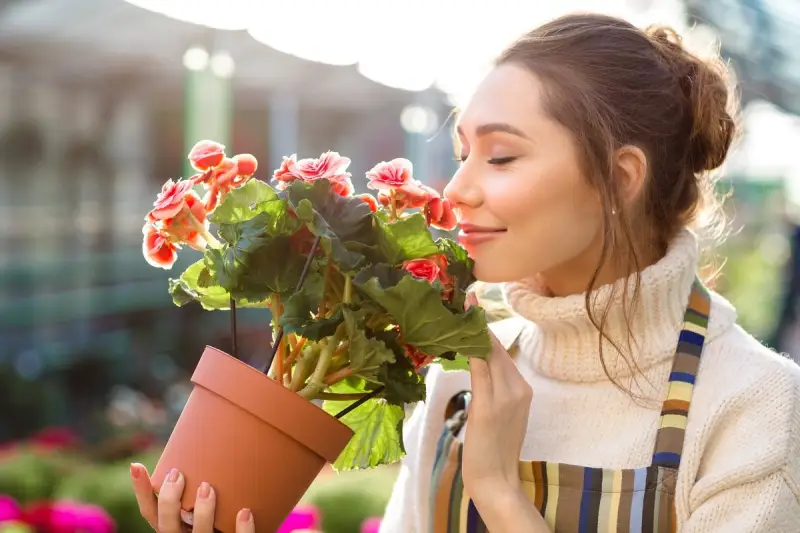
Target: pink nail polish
<point>245,515</point>
<point>173,476</point>
<point>204,491</point>
<point>135,471</point>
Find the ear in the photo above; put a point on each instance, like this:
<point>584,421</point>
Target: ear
<point>631,172</point>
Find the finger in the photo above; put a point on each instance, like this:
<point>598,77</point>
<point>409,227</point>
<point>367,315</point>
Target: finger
<point>169,503</point>
<point>245,522</point>
<point>143,489</point>
<point>203,518</point>
<point>480,378</point>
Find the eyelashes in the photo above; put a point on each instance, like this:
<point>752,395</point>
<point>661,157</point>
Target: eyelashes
<point>500,161</point>
<point>496,161</point>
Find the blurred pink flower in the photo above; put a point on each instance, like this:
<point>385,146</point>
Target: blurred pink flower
<point>371,525</point>
<point>9,509</point>
<point>303,517</point>
<point>55,438</point>
<point>68,517</point>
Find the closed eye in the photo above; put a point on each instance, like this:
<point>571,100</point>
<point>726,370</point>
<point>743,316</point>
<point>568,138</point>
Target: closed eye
<point>501,160</point>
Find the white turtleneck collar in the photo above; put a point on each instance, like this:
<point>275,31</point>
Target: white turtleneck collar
<point>565,343</point>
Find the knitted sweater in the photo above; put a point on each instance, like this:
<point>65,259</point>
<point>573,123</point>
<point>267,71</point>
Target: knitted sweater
<point>740,469</point>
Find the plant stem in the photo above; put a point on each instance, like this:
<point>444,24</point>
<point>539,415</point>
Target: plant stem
<point>316,382</point>
<point>275,369</point>
<point>282,344</point>
<point>201,229</point>
<point>347,297</point>
<point>393,212</point>
<point>303,275</point>
<point>303,366</point>
<point>338,376</point>
<point>326,279</point>
<point>295,352</point>
<point>341,397</point>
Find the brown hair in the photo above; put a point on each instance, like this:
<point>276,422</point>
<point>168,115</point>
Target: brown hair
<point>613,85</point>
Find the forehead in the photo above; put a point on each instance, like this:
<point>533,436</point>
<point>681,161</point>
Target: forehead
<point>508,94</point>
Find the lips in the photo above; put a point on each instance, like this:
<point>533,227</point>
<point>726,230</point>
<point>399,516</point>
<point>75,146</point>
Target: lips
<point>472,235</point>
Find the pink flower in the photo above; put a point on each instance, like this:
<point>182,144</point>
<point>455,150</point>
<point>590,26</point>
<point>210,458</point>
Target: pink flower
<point>439,211</point>
<point>418,359</point>
<point>330,166</point>
<point>369,200</point>
<point>10,510</point>
<point>426,269</point>
<point>171,199</point>
<point>183,228</point>
<point>157,248</point>
<point>412,197</point>
<point>371,525</point>
<point>431,269</point>
<point>206,154</point>
<point>303,517</point>
<point>68,517</point>
<point>394,174</point>
<point>246,163</point>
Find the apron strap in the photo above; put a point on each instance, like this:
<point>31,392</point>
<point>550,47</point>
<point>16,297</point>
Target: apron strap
<point>675,410</point>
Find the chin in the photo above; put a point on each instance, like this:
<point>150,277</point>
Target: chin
<point>494,271</point>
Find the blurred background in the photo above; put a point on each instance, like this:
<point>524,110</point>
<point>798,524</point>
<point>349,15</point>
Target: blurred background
<point>100,101</point>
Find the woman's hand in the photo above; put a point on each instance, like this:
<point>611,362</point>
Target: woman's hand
<point>497,421</point>
<point>164,513</point>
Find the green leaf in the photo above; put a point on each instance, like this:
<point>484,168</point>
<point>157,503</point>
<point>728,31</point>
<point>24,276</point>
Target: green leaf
<point>378,438</point>
<point>222,265</point>
<point>197,285</point>
<point>300,309</point>
<point>452,365</point>
<point>387,275</point>
<point>407,238</point>
<point>402,384</point>
<point>459,267</point>
<point>271,268</point>
<point>366,354</point>
<point>242,204</point>
<point>337,220</point>
<point>426,323</point>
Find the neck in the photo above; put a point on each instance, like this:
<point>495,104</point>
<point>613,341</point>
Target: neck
<point>580,273</point>
<point>642,331</point>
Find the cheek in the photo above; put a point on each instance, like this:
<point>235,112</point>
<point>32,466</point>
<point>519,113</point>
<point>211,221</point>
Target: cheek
<point>552,215</point>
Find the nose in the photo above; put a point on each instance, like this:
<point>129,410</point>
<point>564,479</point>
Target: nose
<point>464,190</point>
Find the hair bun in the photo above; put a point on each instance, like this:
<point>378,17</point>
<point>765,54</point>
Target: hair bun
<point>706,85</point>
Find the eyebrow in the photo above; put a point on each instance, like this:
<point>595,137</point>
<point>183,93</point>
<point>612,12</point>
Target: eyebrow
<point>494,127</point>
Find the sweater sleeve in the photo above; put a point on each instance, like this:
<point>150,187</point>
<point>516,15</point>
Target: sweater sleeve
<point>770,504</point>
<point>747,477</point>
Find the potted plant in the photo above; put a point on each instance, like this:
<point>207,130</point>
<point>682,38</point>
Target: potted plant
<point>361,297</point>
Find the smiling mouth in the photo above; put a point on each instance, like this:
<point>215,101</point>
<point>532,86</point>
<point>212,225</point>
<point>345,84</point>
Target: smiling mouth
<point>474,236</point>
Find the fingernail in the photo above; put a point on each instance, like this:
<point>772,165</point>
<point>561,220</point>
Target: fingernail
<point>173,475</point>
<point>245,515</point>
<point>135,471</point>
<point>204,491</point>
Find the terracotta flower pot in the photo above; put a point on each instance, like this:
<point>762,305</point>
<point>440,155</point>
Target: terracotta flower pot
<point>257,443</point>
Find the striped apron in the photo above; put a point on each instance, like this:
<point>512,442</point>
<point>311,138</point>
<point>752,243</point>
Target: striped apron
<point>577,499</point>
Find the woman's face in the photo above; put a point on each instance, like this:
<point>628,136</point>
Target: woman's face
<point>525,206</point>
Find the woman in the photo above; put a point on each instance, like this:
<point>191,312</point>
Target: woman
<point>630,400</point>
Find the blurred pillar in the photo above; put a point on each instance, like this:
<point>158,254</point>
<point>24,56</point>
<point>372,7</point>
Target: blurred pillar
<point>420,121</point>
<point>284,126</point>
<point>209,99</point>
